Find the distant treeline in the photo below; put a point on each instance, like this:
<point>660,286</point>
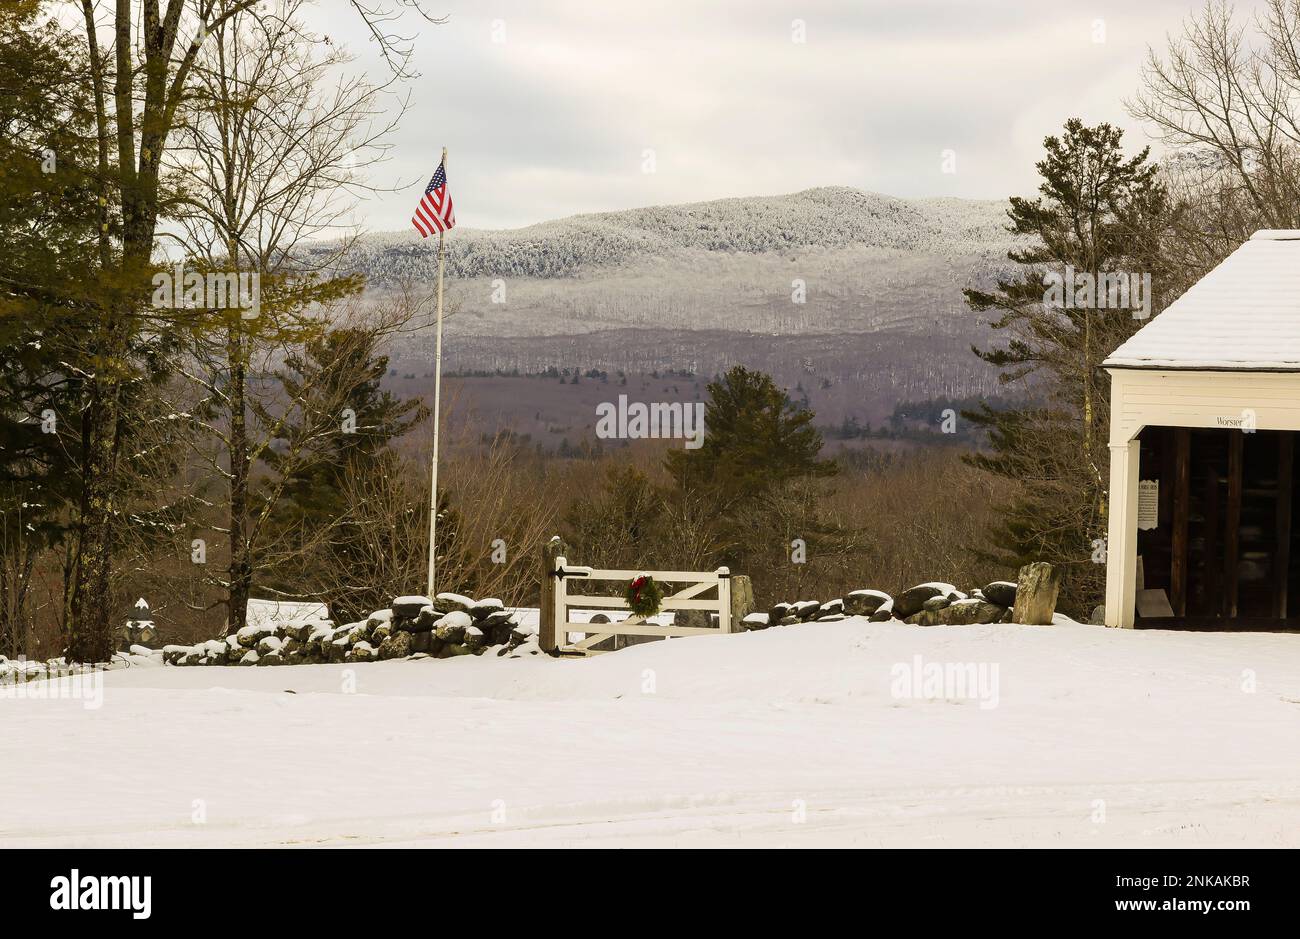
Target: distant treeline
<point>922,420</point>
<point>567,374</point>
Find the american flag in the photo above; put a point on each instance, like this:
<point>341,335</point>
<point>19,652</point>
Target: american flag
<point>435,211</point>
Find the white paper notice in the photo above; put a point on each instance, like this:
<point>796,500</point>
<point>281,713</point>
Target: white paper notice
<point>1148,504</point>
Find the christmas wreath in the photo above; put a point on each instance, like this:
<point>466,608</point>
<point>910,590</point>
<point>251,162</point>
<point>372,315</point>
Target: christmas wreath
<point>644,596</point>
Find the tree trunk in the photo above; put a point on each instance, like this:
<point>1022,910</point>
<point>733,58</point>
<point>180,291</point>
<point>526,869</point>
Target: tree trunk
<point>241,561</point>
<point>89,627</point>
<point>90,607</point>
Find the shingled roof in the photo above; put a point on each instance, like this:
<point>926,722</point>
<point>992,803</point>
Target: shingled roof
<point>1243,315</point>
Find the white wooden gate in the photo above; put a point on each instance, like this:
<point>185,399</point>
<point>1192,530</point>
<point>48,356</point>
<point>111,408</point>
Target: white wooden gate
<point>688,598</point>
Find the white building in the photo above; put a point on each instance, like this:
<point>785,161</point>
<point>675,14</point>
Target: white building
<point>1205,404</point>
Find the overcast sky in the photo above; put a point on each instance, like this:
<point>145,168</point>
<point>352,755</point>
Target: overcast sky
<point>549,106</point>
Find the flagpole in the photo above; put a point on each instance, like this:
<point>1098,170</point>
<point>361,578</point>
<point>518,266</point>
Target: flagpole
<point>437,412</point>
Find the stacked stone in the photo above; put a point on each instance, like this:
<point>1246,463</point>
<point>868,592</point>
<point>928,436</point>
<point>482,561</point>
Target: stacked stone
<point>449,625</point>
<point>929,604</point>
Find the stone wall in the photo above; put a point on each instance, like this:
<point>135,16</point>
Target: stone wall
<point>449,625</point>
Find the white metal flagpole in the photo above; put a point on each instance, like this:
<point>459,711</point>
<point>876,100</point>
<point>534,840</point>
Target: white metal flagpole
<point>437,413</point>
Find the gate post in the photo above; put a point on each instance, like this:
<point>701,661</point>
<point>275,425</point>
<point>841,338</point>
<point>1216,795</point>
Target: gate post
<point>551,551</point>
<point>725,624</point>
<point>742,601</point>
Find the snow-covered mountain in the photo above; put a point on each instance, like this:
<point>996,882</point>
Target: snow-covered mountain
<point>828,218</point>
<point>856,294</point>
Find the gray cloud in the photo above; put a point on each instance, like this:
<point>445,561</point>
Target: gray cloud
<point>555,120</point>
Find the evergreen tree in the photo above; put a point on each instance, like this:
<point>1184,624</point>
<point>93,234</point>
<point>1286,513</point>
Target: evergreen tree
<point>620,524</point>
<point>738,500</point>
<point>53,292</point>
<point>344,424</point>
<point>47,215</point>
<point>755,437</point>
<point>1096,212</point>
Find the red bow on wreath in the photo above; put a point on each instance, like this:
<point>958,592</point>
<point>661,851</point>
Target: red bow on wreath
<point>637,584</point>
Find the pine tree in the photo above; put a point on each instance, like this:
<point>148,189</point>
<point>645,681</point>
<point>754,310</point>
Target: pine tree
<point>1096,212</point>
<point>47,214</point>
<point>755,437</point>
<point>620,524</point>
<point>53,294</point>
<point>343,422</point>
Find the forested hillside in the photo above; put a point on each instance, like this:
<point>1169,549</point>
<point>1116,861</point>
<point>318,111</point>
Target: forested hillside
<point>828,218</point>
<point>829,287</point>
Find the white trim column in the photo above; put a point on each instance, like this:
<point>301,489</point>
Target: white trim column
<point>1121,540</point>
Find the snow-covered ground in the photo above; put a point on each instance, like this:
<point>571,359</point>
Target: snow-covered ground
<point>802,735</point>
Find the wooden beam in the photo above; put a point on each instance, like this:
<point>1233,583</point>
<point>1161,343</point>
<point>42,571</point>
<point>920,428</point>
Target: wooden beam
<point>1232,523</point>
<point>663,577</point>
<point>1212,597</point>
<point>1161,540</point>
<point>1182,506</point>
<point>581,600</point>
<point>639,629</point>
<point>590,639</point>
<point>1282,556</point>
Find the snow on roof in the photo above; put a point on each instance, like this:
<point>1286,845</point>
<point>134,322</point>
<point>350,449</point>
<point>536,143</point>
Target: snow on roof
<point>1244,314</point>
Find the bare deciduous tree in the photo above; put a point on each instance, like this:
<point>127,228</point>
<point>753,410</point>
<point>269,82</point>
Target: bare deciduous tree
<point>1225,98</point>
<point>142,60</point>
<point>273,155</point>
